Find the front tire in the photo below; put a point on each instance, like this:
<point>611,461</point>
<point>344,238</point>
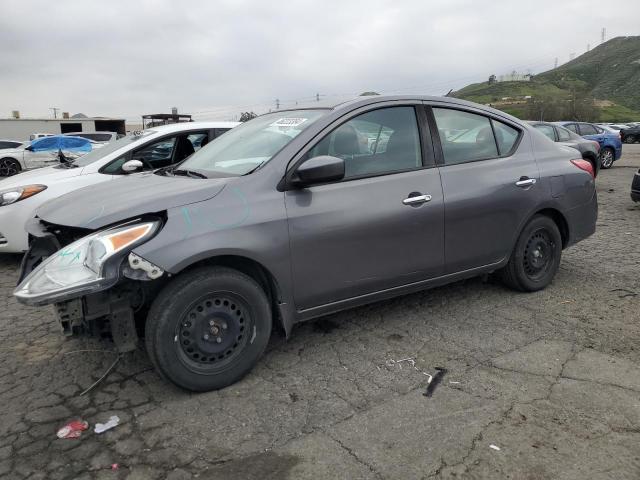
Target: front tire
<point>9,166</point>
<point>630,139</point>
<point>208,328</point>
<point>536,257</point>
<point>607,157</point>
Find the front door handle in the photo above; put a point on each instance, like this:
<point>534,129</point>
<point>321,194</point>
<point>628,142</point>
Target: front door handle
<point>417,199</point>
<point>525,182</point>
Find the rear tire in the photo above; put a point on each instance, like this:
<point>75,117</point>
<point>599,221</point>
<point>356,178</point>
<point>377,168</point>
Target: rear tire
<point>607,157</point>
<point>208,328</point>
<point>630,139</point>
<point>536,257</point>
<point>9,166</point>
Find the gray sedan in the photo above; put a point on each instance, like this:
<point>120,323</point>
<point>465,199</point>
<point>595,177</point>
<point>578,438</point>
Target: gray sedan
<point>297,214</point>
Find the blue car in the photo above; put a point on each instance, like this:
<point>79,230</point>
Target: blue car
<point>610,143</point>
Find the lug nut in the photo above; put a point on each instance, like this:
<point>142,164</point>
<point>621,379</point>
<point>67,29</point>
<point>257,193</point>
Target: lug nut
<point>224,326</point>
<point>206,336</point>
<point>212,323</point>
<point>218,340</point>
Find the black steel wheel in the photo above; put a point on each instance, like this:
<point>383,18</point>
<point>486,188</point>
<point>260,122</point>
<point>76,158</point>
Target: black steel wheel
<point>9,167</point>
<point>214,330</point>
<point>208,327</point>
<point>536,256</point>
<point>630,139</point>
<point>607,157</point>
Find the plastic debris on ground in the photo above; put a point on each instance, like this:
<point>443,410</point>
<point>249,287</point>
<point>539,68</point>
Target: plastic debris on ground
<point>114,421</point>
<point>494,447</point>
<point>114,466</point>
<point>437,378</point>
<point>73,429</point>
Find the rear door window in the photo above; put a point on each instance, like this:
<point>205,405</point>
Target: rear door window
<point>563,134</point>
<point>572,127</point>
<point>586,129</point>
<point>464,136</point>
<point>547,130</point>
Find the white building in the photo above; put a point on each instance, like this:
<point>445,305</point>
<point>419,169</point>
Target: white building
<point>22,128</point>
<point>514,77</point>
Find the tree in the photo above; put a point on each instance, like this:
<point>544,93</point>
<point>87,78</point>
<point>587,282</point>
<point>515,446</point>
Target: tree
<point>246,116</point>
<point>366,94</point>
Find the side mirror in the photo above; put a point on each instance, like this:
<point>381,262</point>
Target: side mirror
<point>131,166</point>
<point>321,169</point>
<point>29,147</point>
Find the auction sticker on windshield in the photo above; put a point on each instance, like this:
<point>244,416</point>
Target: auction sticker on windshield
<point>288,122</point>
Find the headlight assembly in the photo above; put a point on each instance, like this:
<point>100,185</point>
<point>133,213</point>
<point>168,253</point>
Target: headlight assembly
<point>82,267</point>
<point>13,195</point>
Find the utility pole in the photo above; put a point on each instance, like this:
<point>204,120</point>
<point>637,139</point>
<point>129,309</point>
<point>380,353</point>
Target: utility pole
<point>555,65</point>
<point>277,104</point>
<point>55,111</point>
<point>572,55</point>
<point>603,34</point>
<point>317,97</point>
<point>588,47</point>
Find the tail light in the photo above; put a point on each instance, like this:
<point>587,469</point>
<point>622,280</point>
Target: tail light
<point>584,165</point>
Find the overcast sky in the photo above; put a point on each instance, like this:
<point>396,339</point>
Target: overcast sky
<point>217,58</point>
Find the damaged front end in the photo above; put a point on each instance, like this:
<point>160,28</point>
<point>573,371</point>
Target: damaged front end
<point>95,281</point>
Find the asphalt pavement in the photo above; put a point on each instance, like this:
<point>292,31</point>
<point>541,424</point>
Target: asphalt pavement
<point>538,386</point>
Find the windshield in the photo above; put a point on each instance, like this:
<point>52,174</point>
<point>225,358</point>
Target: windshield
<point>246,147</point>
<point>99,153</point>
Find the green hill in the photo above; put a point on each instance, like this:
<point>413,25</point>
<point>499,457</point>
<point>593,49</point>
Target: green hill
<point>608,77</point>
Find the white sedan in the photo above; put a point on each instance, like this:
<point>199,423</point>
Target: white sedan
<point>16,160</point>
<point>150,149</point>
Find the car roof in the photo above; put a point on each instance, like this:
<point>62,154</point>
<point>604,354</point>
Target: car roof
<point>362,101</point>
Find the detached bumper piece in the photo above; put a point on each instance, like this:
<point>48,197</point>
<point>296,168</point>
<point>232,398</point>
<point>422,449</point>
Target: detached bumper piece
<point>103,314</point>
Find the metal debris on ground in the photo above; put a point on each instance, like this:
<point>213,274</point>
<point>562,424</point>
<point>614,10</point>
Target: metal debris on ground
<point>437,378</point>
<point>114,421</point>
<point>73,429</point>
<point>411,362</point>
<point>105,375</point>
<point>495,447</point>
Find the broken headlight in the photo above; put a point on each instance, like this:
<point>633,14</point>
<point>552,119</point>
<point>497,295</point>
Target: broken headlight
<point>82,267</point>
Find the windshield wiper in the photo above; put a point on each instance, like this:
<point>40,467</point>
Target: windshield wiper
<point>189,173</point>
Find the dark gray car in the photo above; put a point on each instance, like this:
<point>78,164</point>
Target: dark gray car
<point>589,149</point>
<point>301,213</point>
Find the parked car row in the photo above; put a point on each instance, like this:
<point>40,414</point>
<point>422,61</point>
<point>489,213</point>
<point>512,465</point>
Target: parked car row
<point>295,214</point>
<point>610,142</point>
<point>589,149</point>
<point>148,150</point>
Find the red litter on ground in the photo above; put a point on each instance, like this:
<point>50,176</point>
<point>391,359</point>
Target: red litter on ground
<point>73,429</point>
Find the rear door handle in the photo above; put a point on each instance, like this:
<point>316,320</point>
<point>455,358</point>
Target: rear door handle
<point>417,199</point>
<point>525,182</point>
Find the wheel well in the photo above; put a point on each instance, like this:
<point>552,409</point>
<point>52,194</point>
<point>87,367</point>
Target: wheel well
<point>560,221</point>
<point>254,270</point>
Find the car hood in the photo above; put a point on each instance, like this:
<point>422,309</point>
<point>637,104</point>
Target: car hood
<point>124,198</point>
<point>42,176</point>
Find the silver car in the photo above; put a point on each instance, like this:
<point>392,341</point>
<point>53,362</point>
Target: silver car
<point>301,213</point>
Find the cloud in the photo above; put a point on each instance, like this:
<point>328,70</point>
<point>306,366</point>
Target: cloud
<point>129,58</point>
